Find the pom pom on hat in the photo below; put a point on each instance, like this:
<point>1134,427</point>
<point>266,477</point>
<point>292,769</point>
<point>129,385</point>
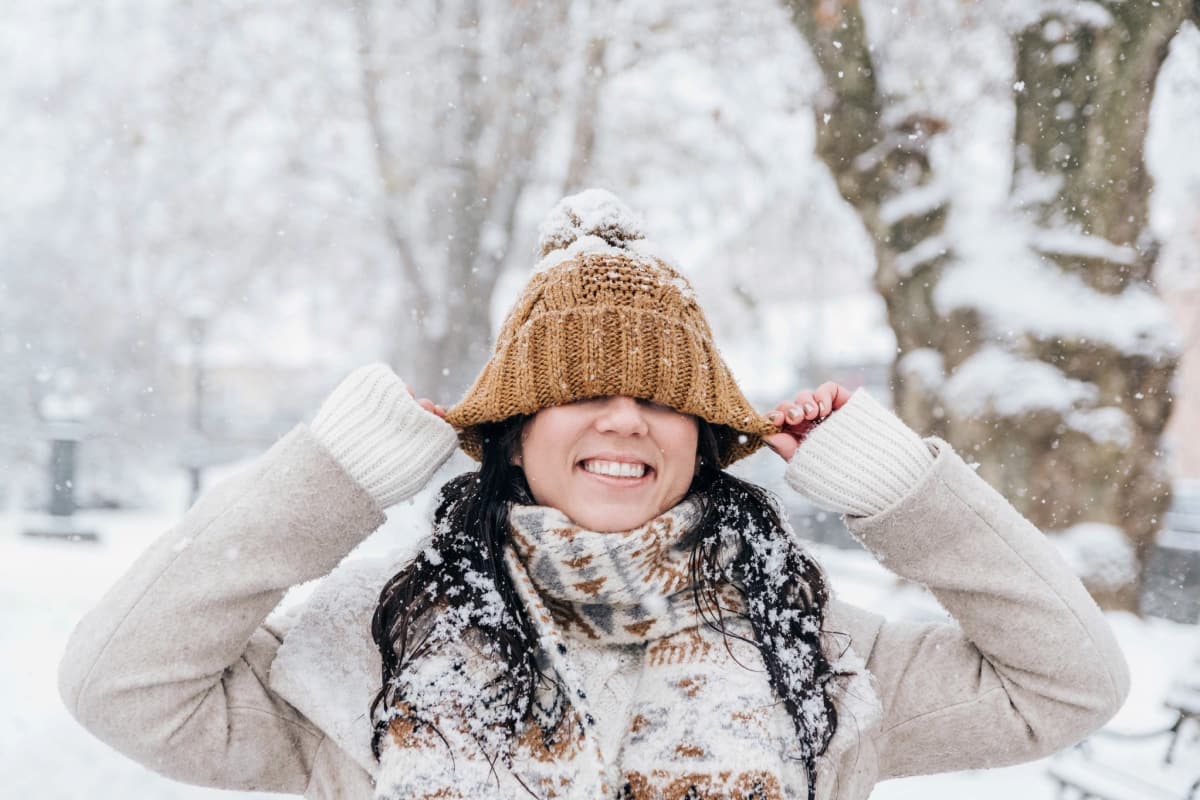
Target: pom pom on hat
<point>592,212</point>
<point>595,222</point>
<point>604,314</point>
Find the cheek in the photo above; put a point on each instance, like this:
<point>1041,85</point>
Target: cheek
<point>545,442</point>
<point>683,441</point>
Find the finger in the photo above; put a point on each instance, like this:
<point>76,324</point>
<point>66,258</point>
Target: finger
<point>841,396</point>
<point>778,415</point>
<point>806,403</point>
<point>825,394</point>
<point>784,444</point>
<point>797,430</point>
<point>790,412</point>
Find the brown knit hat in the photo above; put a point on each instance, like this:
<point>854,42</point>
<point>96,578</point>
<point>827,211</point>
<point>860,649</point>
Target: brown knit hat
<point>602,315</point>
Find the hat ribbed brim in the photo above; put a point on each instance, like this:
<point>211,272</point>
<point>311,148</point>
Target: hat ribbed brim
<point>562,356</point>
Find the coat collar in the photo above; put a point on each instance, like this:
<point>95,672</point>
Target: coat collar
<point>328,666</point>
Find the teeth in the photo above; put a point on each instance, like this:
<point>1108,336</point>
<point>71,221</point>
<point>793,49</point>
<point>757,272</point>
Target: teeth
<point>616,469</point>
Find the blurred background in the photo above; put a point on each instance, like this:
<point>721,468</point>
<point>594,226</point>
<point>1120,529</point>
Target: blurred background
<point>986,213</point>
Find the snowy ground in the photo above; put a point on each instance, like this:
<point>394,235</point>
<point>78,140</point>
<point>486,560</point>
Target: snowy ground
<point>45,586</point>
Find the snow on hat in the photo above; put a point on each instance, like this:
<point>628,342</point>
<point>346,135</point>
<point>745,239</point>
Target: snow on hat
<point>605,314</point>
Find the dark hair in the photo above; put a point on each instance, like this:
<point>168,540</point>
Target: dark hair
<point>740,540</point>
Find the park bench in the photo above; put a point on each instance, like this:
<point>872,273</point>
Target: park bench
<point>1158,765</point>
<point>1171,585</point>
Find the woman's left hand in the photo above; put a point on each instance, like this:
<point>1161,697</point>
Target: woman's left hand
<point>796,417</point>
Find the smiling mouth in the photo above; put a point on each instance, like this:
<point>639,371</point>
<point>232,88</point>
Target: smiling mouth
<point>618,472</point>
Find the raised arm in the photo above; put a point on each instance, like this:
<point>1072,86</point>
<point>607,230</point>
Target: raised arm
<point>171,666</point>
<point>1028,666</point>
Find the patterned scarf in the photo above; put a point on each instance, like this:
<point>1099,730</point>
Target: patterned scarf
<point>704,721</point>
<point>615,588</point>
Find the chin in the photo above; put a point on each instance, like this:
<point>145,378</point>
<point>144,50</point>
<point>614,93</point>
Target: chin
<point>612,523</point>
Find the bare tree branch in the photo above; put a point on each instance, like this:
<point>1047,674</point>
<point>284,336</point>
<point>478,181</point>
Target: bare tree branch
<point>875,158</point>
<point>850,112</point>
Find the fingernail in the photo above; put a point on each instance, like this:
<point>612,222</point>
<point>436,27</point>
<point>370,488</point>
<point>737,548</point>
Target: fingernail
<point>775,417</point>
<point>809,408</point>
<point>821,408</point>
<point>793,413</point>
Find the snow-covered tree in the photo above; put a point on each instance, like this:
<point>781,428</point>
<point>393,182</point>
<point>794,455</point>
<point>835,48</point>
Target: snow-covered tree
<point>1028,332</point>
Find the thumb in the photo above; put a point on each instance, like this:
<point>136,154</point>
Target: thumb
<point>784,444</point>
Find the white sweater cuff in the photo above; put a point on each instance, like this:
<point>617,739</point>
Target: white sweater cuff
<point>381,436</point>
<point>860,460</point>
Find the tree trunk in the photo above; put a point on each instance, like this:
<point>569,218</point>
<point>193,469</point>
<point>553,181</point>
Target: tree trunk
<point>1084,88</point>
<point>880,161</point>
<point>587,101</point>
<point>461,340</point>
<point>1083,93</point>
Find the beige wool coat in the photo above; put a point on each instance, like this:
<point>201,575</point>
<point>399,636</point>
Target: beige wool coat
<point>177,666</point>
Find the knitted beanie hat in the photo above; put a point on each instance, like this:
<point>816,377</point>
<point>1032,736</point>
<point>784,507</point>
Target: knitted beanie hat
<point>603,315</point>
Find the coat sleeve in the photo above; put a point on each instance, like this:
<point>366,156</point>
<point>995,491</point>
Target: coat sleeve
<point>1029,665</point>
<point>171,667</point>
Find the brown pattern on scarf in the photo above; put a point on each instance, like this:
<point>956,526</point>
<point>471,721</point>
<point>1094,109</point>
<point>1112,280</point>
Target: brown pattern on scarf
<point>568,618</point>
<point>723,785</point>
<point>682,648</point>
<point>563,745</point>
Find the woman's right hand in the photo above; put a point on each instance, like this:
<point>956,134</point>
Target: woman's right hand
<point>798,416</point>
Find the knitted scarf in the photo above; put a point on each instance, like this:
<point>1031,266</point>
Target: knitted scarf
<point>703,722</point>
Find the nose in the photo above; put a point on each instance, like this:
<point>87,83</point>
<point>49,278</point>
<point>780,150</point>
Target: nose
<point>622,414</point>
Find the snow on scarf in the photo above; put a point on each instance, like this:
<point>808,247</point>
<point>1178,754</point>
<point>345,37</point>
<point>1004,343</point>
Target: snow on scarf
<point>703,722</point>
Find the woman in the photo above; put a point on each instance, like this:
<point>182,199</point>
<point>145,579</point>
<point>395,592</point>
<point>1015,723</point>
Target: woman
<point>602,610</point>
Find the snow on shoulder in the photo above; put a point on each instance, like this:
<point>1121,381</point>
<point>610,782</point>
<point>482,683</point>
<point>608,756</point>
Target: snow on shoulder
<point>593,221</point>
